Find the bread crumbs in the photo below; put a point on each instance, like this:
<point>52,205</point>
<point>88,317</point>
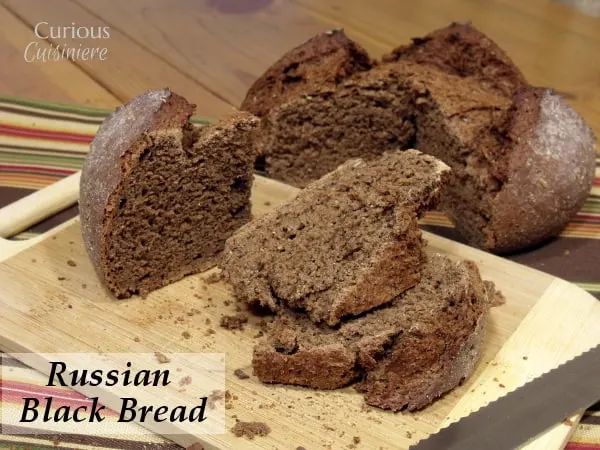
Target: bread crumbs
<point>241,374</point>
<point>195,446</point>
<point>214,397</point>
<point>235,322</point>
<point>212,278</point>
<point>161,358</point>
<point>186,334</point>
<point>250,429</point>
<point>71,263</point>
<point>185,381</point>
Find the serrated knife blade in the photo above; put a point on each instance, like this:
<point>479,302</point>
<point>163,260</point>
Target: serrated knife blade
<point>522,414</point>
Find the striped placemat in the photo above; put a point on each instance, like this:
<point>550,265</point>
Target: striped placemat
<point>42,142</point>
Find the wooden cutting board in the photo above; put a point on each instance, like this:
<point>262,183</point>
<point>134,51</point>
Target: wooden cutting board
<point>544,322</point>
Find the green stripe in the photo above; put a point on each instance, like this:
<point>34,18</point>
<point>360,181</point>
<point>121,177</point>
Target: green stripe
<point>56,160</point>
<point>11,446</point>
<point>72,109</point>
<point>590,287</point>
<point>590,209</point>
<point>53,106</point>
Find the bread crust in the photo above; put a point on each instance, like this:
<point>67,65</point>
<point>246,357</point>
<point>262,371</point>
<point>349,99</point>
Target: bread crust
<point>461,49</point>
<point>551,171</point>
<point>322,61</point>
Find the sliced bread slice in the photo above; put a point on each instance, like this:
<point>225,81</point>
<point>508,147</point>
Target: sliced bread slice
<point>347,243</point>
<point>405,354</point>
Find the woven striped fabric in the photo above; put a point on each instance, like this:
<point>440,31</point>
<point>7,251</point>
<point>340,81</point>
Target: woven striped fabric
<point>42,142</point>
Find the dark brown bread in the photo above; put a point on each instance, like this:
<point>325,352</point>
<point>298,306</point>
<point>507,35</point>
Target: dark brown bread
<point>405,355</point>
<point>347,243</point>
<point>522,159</point>
<point>322,61</point>
<point>550,170</point>
<point>520,168</point>
<point>159,197</point>
<point>460,122</point>
<point>309,136</point>
<point>461,49</point>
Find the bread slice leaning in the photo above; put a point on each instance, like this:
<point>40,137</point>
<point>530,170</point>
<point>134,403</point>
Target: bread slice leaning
<point>347,243</point>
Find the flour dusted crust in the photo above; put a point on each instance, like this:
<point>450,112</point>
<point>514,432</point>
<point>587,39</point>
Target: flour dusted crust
<point>159,196</point>
<point>118,140</point>
<point>551,171</point>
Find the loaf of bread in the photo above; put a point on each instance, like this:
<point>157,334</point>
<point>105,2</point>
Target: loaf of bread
<point>347,243</point>
<point>159,196</point>
<point>404,355</point>
<point>522,158</point>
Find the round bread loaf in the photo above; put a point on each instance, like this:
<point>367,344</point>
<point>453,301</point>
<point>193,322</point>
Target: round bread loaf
<point>159,196</point>
<point>522,158</point>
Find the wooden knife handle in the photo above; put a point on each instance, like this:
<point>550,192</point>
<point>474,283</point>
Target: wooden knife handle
<point>34,208</point>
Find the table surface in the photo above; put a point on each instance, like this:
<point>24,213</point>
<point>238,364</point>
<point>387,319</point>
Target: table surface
<point>210,51</point>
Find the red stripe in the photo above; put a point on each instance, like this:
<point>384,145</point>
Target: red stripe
<point>582,446</point>
<point>40,390</point>
<point>38,133</point>
<point>36,170</point>
<point>18,392</point>
<point>587,218</point>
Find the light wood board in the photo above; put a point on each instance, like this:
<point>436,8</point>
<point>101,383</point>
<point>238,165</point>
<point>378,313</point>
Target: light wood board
<point>545,322</point>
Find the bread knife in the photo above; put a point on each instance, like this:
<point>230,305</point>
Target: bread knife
<point>522,414</point>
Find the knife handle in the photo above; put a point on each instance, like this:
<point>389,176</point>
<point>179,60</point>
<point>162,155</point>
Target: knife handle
<point>32,209</point>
